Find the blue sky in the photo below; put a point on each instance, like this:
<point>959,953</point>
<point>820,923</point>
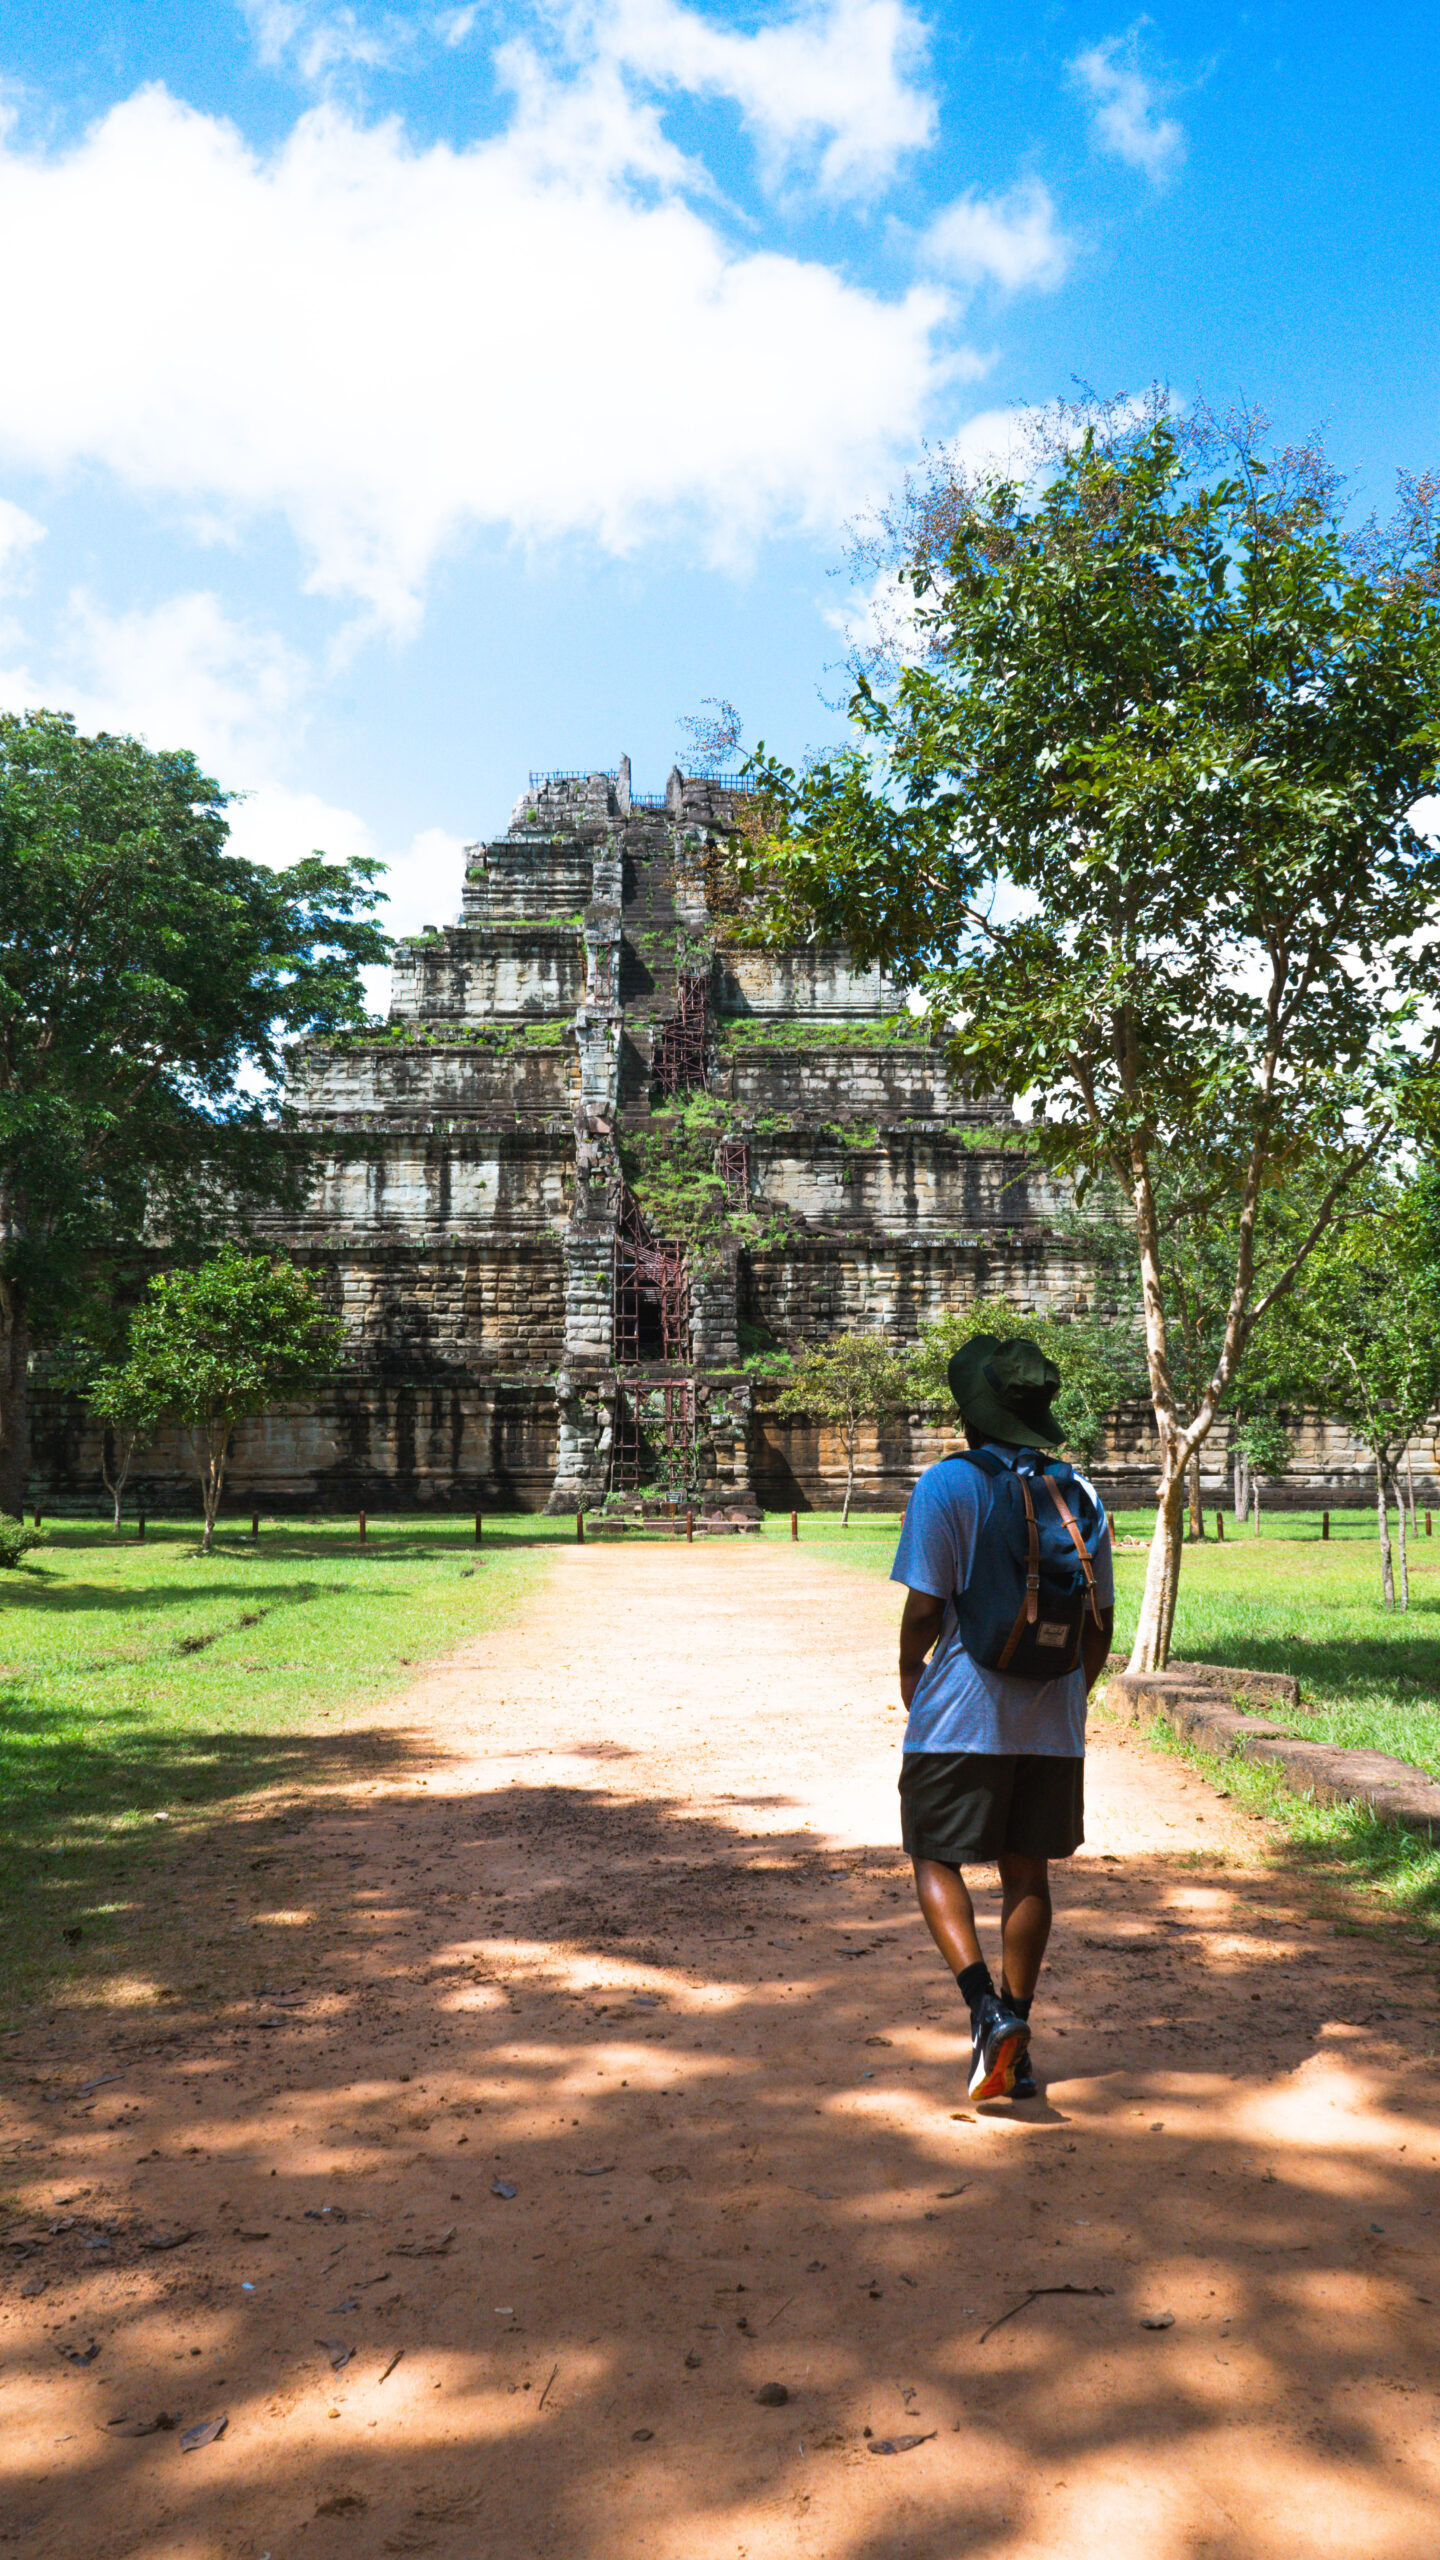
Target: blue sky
<point>399,397</point>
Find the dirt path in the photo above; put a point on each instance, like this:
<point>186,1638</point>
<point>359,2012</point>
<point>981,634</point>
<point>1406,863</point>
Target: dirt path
<point>574,2040</point>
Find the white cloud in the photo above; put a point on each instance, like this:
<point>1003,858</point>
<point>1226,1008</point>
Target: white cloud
<point>183,673</point>
<point>454,25</point>
<point>1013,239</point>
<point>19,534</point>
<point>535,334</point>
<point>1126,118</point>
<point>423,879</point>
<point>317,42</point>
<point>831,88</point>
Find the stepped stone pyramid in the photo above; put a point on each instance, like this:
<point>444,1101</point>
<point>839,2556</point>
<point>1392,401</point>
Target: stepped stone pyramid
<point>606,1154</point>
<point>605,1148</point>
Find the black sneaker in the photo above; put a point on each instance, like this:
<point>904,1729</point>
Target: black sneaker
<point>1001,2044</point>
<point>1023,2084</point>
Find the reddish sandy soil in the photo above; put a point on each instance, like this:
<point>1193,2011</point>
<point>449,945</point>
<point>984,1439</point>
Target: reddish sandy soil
<point>570,2035</point>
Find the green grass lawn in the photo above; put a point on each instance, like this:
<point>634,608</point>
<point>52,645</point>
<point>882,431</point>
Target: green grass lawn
<point>1286,1601</point>
<point>145,1685</point>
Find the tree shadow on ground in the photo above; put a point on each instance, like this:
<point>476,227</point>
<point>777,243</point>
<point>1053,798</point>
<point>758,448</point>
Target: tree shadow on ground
<point>399,2030</point>
<point>35,1595</point>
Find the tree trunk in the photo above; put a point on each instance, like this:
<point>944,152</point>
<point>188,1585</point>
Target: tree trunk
<point>212,1478</point>
<point>849,1479</point>
<point>1387,1564</point>
<point>1197,1515</point>
<point>1151,1649</point>
<point>14,1395</point>
<point>1410,1481</point>
<point>1255,1503</point>
<point>1242,1487</point>
<point>1404,1544</point>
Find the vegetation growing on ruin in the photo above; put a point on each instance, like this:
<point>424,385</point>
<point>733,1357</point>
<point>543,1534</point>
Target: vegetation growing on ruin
<point>670,1167</point>
<point>503,1040</point>
<point>758,1031</point>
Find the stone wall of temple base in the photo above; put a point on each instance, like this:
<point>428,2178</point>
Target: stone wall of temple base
<point>797,1465</point>
<point>446,1444</point>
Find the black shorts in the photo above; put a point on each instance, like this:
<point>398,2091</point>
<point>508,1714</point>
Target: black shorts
<point>964,1807</point>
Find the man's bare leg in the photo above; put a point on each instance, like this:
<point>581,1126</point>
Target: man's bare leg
<point>999,2064</point>
<point>949,1912</point>
<point>1025,1915</point>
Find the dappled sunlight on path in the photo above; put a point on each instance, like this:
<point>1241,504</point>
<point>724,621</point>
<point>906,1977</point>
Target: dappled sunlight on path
<point>575,2041</point>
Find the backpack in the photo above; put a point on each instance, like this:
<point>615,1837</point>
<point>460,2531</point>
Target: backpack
<point>1032,1576</point>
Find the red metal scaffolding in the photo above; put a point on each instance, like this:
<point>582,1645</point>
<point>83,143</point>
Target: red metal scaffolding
<point>658,1442</point>
<point>683,1036</point>
<point>652,1325</point>
<point>732,1163</point>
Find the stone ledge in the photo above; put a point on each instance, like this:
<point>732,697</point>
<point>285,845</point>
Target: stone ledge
<point>1188,1697</point>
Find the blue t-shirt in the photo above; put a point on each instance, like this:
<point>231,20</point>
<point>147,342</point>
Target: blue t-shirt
<point>958,1704</point>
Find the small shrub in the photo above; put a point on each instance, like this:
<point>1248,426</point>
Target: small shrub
<point>16,1541</point>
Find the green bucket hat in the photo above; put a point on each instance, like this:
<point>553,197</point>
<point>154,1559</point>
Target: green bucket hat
<point>1006,1390</point>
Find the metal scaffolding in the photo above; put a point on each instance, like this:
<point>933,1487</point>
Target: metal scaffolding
<point>652,1293</point>
<point>653,1433</point>
<point>683,1037</point>
<point>732,1163</point>
<point>651,1325</point>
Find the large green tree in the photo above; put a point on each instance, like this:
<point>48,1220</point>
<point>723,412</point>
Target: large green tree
<point>1137,822</point>
<point>149,977</point>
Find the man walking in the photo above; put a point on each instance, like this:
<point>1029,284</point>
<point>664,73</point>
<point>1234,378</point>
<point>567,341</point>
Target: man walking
<point>994,1757</point>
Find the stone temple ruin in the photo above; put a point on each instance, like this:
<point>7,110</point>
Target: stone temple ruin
<point>607,1153</point>
<point>604,1150</point>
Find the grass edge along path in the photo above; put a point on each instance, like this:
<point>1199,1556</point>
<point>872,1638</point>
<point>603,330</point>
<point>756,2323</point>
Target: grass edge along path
<point>148,1694</point>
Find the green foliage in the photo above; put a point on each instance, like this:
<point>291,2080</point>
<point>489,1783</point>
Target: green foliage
<point>1264,1442</point>
<point>410,1032</point>
<point>889,1031</point>
<point>670,1166</point>
<point>1359,1337</point>
<point>1138,825</point>
<point>16,1541</point>
<point>1101,1363</point>
<point>852,1379</point>
<point>148,976</point>
<point>213,1345</point>
<point>127,1405</point>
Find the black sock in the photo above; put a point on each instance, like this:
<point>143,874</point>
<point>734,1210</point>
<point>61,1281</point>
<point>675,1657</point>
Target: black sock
<point>975,1985</point>
<point>1020,2007</point>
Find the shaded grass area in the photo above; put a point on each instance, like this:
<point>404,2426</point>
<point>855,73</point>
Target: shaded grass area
<point>140,1680</point>
<point>1287,1601</point>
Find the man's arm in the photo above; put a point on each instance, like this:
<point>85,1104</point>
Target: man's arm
<point>920,1623</point>
<point>1095,1646</point>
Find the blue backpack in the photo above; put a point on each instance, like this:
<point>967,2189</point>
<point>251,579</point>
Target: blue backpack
<point>1032,1576</point>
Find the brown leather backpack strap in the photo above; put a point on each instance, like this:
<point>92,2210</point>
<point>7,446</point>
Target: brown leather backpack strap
<point>1030,1605</point>
<point>1082,1551</point>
